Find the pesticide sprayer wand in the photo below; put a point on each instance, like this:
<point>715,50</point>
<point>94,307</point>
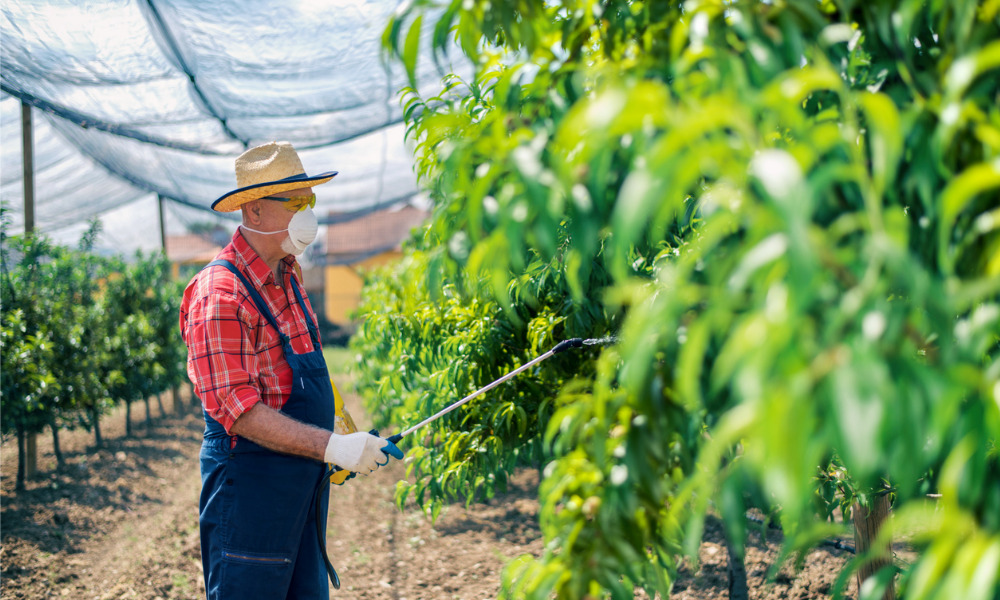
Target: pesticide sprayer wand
<point>324,481</point>
<point>564,345</point>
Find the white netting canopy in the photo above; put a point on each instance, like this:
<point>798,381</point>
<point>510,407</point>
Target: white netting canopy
<point>138,98</point>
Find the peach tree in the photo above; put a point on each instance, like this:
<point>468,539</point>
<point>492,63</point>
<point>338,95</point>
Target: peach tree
<point>789,212</point>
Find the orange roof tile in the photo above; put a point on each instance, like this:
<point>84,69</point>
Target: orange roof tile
<point>190,248</point>
<point>372,233</point>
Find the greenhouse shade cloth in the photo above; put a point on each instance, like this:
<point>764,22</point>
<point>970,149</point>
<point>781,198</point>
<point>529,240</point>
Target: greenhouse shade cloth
<point>133,98</point>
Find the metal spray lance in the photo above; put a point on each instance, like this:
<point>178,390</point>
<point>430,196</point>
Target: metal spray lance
<point>560,347</point>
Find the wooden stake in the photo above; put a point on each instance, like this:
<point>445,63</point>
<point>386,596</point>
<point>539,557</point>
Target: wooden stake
<point>28,161</point>
<point>163,225</point>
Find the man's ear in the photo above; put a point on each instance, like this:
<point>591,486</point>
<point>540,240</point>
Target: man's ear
<point>251,212</point>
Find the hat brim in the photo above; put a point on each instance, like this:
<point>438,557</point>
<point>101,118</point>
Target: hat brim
<point>236,198</point>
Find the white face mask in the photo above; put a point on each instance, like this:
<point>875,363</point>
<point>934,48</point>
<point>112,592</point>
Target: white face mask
<point>301,232</point>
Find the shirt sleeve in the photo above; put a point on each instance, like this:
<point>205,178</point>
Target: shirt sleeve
<point>221,357</point>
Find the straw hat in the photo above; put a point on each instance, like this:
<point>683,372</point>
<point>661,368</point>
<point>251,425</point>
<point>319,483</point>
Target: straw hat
<point>265,170</point>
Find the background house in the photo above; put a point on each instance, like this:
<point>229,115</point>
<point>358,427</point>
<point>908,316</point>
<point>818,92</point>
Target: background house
<point>359,244</point>
<point>190,252</point>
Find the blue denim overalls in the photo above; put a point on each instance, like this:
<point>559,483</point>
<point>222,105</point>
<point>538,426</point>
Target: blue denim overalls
<point>257,516</point>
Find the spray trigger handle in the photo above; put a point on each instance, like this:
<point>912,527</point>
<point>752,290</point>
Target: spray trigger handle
<point>393,439</point>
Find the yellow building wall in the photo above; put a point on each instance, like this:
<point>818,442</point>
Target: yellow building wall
<point>343,286</point>
<point>343,293</point>
<point>378,260</point>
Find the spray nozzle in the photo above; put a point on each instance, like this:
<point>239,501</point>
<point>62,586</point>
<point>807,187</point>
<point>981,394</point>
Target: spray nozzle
<point>567,344</point>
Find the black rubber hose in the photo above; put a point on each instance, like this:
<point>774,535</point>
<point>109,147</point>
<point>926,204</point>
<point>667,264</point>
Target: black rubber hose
<point>323,484</point>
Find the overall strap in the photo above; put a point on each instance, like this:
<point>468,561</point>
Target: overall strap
<point>254,295</point>
<point>313,329</point>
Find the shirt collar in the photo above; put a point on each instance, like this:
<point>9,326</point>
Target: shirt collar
<point>253,265</point>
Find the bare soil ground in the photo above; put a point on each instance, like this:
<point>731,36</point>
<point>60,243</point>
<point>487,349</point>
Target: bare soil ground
<point>121,522</point>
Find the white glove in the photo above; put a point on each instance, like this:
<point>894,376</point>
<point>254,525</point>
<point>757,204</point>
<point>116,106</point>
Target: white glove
<point>359,452</point>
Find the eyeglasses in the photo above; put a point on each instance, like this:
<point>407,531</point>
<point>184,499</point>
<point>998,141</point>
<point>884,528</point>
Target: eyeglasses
<point>295,203</point>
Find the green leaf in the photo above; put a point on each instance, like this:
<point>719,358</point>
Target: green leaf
<point>886,138</point>
<point>411,49</point>
<point>977,179</point>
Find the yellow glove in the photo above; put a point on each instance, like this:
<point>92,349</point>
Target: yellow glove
<point>342,424</point>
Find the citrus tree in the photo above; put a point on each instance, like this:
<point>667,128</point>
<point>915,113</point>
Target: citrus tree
<point>26,388</point>
<point>80,333</point>
<point>43,362</point>
<point>80,330</point>
<point>145,355</point>
<point>163,305</point>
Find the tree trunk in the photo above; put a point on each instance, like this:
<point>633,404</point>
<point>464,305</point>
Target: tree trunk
<point>95,419</point>
<point>194,397</point>
<point>867,522</point>
<point>176,393</point>
<point>738,589</point>
<point>31,455</point>
<point>21,462</point>
<point>149,419</point>
<point>55,442</point>
<point>128,419</point>
<point>159,402</point>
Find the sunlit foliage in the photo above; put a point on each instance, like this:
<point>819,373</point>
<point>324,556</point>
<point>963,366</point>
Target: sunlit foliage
<point>790,214</point>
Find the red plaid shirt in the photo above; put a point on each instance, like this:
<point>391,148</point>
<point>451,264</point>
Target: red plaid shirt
<point>234,355</point>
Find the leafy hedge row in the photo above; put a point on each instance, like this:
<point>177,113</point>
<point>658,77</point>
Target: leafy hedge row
<point>422,346</point>
<point>82,333</point>
<point>789,211</point>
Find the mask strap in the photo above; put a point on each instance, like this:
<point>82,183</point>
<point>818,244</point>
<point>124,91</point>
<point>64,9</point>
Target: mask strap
<point>262,232</point>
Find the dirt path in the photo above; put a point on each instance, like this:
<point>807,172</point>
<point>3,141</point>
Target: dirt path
<point>121,523</point>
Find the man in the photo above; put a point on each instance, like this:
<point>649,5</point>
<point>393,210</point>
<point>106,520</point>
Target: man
<point>255,360</point>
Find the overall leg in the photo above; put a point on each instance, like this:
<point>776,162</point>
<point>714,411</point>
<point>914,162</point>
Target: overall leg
<point>310,580</point>
<point>266,502</point>
<point>210,518</point>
